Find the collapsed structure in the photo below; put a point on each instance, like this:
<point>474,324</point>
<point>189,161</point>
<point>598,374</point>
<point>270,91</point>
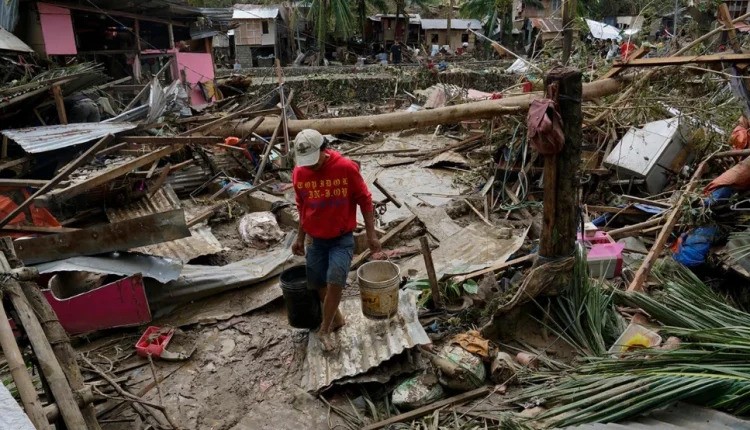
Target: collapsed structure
<point>559,232</point>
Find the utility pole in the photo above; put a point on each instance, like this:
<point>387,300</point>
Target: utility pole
<point>569,13</point>
<point>674,26</point>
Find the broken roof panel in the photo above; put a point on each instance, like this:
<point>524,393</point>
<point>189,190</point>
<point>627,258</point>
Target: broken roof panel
<point>118,263</point>
<point>201,242</point>
<point>9,42</point>
<point>254,11</point>
<point>364,343</point>
<point>35,140</point>
<point>414,18</point>
<point>456,24</point>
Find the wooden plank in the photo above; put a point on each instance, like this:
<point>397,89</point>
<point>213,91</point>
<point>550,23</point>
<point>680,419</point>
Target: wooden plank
<point>676,61</point>
<point>13,163</point>
<point>35,229</point>
<point>495,268</point>
<point>615,210</point>
<point>424,410</point>
<point>170,140</point>
<point>104,177</point>
<point>59,104</point>
<point>19,183</point>
<point>726,19</point>
<point>120,236</point>
<point>617,68</point>
<point>646,201</point>
<point>359,259</point>
<point>58,178</point>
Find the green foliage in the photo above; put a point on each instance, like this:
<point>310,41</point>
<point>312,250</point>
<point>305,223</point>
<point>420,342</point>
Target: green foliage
<point>450,290</point>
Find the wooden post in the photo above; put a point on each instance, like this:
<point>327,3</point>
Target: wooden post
<point>437,300</point>
<point>569,12</point>
<point>561,170</point>
<point>60,104</point>
<point>47,361</point>
<point>170,31</point>
<point>21,377</point>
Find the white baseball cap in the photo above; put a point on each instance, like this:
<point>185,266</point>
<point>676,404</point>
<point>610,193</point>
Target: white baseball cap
<point>307,147</point>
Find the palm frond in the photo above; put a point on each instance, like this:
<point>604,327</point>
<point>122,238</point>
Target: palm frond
<point>584,315</point>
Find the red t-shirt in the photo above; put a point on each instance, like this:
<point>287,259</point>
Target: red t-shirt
<point>327,198</point>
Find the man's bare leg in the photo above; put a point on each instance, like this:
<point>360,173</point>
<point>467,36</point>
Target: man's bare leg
<point>332,317</point>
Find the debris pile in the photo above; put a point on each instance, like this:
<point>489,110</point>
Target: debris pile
<point>565,249</point>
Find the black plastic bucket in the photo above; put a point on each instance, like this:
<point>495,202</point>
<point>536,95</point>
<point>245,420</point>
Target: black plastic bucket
<point>302,305</point>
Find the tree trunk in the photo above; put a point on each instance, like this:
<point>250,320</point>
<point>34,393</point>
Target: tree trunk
<point>427,118</point>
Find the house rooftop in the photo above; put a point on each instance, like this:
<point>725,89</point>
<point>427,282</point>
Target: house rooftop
<point>456,24</point>
<point>254,11</point>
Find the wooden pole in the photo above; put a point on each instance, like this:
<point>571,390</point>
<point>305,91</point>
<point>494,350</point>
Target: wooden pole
<point>170,32</point>
<point>560,214</point>
<point>61,391</point>
<point>64,352</point>
<point>59,178</point>
<point>437,300</point>
<point>569,12</point>
<point>59,104</point>
<point>21,377</point>
<point>267,153</point>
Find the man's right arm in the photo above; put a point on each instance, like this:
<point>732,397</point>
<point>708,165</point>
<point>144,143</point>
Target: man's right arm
<point>298,248</point>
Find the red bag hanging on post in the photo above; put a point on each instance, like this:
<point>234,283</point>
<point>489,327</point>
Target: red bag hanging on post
<point>545,127</point>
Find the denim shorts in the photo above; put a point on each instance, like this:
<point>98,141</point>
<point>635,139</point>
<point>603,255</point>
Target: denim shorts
<point>328,261</point>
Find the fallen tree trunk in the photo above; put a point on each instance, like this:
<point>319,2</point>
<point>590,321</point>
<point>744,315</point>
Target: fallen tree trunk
<point>426,118</point>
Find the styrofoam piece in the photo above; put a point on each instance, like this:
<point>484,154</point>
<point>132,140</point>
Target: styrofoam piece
<point>634,329</point>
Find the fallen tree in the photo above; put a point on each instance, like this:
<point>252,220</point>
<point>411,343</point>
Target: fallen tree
<point>426,118</point>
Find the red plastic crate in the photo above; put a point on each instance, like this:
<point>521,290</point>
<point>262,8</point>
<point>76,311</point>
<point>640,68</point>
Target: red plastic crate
<point>153,341</point>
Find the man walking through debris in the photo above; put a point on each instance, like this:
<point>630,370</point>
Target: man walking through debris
<point>328,189</point>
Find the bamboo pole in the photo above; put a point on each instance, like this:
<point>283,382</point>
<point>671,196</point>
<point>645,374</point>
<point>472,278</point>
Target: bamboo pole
<point>21,377</point>
<point>60,342</point>
<point>61,391</point>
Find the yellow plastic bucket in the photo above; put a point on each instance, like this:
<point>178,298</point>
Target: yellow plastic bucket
<point>378,289</point>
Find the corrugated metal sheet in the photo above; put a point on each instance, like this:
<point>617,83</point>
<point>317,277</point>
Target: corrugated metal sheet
<point>678,416</point>
<point>364,344</point>
<point>9,42</point>
<point>414,18</point>
<point>254,11</point>
<point>185,180</point>
<point>120,263</point>
<point>202,241</point>
<point>9,14</point>
<point>456,24</point>
<point>50,137</point>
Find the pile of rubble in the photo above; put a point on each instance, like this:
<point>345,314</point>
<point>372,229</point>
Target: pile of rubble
<point>568,248</point>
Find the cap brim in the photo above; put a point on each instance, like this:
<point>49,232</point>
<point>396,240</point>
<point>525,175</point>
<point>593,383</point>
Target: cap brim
<point>308,159</point>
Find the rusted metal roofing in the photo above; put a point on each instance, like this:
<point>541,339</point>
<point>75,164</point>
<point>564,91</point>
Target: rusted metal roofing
<point>364,344</point>
<point>202,241</point>
<point>50,137</point>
